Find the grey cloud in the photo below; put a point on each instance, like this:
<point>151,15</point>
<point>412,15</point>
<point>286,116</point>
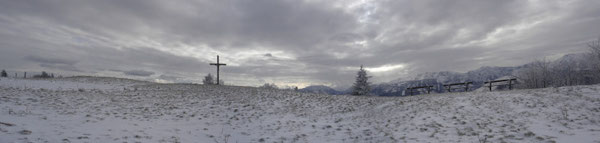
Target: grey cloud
<point>231,23</point>
<point>322,38</point>
<point>55,63</point>
<point>346,37</point>
<point>51,60</point>
<point>138,73</point>
<point>169,77</point>
<point>61,67</point>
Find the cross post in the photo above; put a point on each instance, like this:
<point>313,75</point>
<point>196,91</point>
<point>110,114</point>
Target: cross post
<point>218,67</point>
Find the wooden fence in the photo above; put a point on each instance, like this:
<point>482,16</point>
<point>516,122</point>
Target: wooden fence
<point>464,85</point>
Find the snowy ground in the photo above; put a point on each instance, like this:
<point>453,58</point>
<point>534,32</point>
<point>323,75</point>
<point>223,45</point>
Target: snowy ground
<point>88,109</point>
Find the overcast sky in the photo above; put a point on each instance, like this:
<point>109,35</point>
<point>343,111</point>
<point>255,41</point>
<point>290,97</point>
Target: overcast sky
<point>287,42</point>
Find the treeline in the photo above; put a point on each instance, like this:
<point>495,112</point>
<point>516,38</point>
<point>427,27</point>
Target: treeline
<point>44,74</point>
<point>575,70</point>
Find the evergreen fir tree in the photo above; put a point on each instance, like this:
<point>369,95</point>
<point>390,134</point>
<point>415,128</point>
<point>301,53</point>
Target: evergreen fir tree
<point>361,86</point>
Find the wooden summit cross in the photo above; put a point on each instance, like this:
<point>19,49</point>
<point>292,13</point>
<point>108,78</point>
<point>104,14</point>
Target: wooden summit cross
<point>218,65</point>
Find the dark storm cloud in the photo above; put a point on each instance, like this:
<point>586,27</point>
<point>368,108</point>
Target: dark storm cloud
<point>169,77</point>
<point>286,41</point>
<point>54,63</point>
<point>61,67</point>
<point>49,60</point>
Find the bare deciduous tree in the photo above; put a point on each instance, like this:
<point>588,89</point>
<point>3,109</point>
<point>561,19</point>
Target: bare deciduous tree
<point>594,47</point>
<point>578,69</point>
<point>208,80</point>
<point>536,74</point>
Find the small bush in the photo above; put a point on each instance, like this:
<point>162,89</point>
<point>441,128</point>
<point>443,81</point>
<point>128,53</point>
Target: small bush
<point>529,134</point>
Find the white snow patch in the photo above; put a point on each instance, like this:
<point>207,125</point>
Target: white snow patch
<point>118,110</point>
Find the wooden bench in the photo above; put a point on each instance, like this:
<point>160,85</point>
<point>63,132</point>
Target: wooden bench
<point>465,84</point>
<point>510,83</point>
<point>428,87</point>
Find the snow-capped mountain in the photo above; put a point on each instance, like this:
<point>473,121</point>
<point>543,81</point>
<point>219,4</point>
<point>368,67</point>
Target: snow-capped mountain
<point>580,61</point>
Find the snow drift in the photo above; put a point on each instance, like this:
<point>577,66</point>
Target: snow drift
<point>89,109</point>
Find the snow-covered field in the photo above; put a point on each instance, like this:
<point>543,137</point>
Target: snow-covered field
<point>89,109</point>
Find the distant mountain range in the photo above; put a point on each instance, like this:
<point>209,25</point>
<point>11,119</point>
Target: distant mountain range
<point>438,79</point>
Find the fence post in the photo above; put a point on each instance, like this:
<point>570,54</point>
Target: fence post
<point>490,85</point>
<point>428,89</point>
